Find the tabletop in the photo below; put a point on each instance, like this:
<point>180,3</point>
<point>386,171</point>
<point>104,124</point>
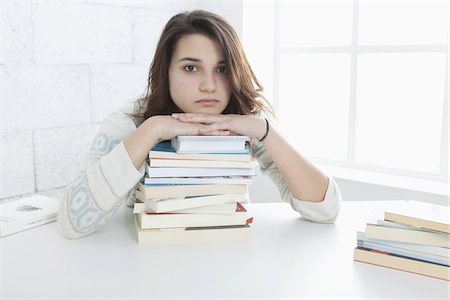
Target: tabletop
<point>287,256</point>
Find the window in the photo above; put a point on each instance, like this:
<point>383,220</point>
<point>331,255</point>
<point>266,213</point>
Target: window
<point>359,87</point>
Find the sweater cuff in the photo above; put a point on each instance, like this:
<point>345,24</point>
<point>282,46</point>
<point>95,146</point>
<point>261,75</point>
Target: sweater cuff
<point>119,171</point>
<point>325,211</point>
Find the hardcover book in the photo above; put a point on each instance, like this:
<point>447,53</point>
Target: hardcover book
<point>173,204</point>
<point>394,261</point>
<point>164,150</point>
<point>191,234</point>
<point>174,220</point>
<point>210,144</point>
<point>438,239</point>
<point>173,191</point>
<point>197,172</point>
<point>421,214</point>
<point>26,213</point>
<point>193,163</point>
<point>200,180</point>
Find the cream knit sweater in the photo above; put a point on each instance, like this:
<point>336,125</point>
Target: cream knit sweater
<point>107,176</point>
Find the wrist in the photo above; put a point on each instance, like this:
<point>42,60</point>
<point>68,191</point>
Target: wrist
<point>266,130</point>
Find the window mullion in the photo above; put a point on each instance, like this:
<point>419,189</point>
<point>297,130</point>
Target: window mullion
<point>353,74</point>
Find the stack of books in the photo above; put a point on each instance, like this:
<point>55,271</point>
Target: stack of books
<point>413,237</point>
<point>195,189</point>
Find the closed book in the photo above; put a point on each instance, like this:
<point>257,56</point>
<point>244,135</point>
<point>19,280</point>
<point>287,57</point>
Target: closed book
<point>197,172</point>
<point>216,209</point>
<point>173,191</point>
<point>191,234</point>
<point>408,235</point>
<point>421,214</point>
<point>165,150</point>
<point>405,249</point>
<point>398,262</point>
<point>26,213</point>
<point>210,144</point>
<point>172,204</point>
<point>200,180</point>
<point>186,163</point>
<point>173,220</point>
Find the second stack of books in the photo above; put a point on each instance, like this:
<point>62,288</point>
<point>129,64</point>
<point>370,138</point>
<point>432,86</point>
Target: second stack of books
<point>195,189</point>
<point>411,236</point>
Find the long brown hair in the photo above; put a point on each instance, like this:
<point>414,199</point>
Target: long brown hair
<point>246,91</point>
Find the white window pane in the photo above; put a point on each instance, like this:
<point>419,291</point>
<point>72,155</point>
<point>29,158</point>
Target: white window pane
<point>399,110</point>
<point>403,23</point>
<point>314,99</point>
<point>315,24</point>
<point>259,17</point>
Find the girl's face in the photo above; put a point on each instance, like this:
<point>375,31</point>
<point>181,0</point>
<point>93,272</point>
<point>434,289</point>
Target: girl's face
<point>198,80</point>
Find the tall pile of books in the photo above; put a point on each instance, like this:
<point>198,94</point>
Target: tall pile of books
<point>195,189</point>
<point>412,236</point>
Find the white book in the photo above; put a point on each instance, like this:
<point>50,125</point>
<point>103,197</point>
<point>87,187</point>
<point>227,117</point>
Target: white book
<point>173,220</point>
<point>210,144</point>
<point>198,172</point>
<point>217,209</point>
<point>191,163</point>
<point>26,213</point>
<point>200,180</point>
<point>173,204</point>
<point>402,249</point>
<point>191,235</point>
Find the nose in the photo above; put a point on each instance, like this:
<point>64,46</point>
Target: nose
<point>208,83</point>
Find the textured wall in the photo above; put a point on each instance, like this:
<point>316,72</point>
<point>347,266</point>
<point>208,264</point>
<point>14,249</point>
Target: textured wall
<point>64,65</point>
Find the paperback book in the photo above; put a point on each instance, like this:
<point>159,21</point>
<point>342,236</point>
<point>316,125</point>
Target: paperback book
<point>26,213</point>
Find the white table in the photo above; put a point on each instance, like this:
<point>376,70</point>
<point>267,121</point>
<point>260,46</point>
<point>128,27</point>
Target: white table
<point>286,257</point>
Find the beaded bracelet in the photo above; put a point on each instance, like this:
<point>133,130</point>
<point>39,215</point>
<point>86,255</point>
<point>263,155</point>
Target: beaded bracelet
<point>267,131</point>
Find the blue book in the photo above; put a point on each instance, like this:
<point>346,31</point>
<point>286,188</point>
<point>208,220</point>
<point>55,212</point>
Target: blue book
<point>164,150</point>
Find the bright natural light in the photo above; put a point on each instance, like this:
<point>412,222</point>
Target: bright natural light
<point>359,86</point>
<point>314,89</point>
<point>407,23</point>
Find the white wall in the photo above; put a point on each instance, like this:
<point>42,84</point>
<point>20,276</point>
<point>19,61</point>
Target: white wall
<point>64,65</point>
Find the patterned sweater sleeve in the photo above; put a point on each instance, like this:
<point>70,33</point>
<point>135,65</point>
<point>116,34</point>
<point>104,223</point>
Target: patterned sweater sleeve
<point>320,212</point>
<point>104,182</point>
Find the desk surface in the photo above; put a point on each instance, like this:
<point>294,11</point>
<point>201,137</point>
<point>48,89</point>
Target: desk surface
<point>286,257</point>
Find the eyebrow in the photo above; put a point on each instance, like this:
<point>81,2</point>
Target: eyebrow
<point>196,60</point>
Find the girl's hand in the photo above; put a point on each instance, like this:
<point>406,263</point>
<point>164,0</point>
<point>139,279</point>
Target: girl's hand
<point>166,127</point>
<point>228,124</point>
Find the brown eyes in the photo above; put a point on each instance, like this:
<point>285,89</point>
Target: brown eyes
<point>193,68</point>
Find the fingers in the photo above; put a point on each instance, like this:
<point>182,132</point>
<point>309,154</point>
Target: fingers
<point>198,118</point>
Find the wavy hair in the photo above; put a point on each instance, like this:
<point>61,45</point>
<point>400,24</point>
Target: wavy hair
<point>246,91</point>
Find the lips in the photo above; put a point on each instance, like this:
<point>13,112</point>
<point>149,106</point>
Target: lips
<point>207,102</point>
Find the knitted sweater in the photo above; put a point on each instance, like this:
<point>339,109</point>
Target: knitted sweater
<point>107,177</point>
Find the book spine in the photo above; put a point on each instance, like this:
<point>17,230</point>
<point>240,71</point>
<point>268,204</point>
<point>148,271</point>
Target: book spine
<point>401,263</point>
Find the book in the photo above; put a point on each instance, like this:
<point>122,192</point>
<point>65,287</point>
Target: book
<point>210,144</point>
<point>172,204</point>
<point>198,172</point>
<point>173,220</point>
<point>421,214</point>
<point>191,234</point>
<point>439,255</point>
<point>26,213</point>
<point>200,180</point>
<point>403,263</point>
<point>191,163</point>
<point>216,209</point>
<point>173,191</point>
<point>165,150</point>
<point>407,235</point>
